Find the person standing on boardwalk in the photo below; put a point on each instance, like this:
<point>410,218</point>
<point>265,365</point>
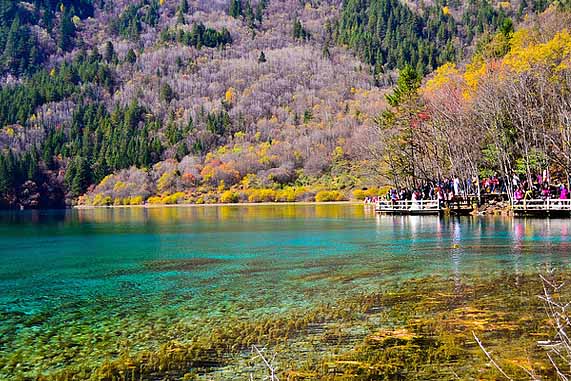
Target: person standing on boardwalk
<point>564,192</point>
<point>456,186</point>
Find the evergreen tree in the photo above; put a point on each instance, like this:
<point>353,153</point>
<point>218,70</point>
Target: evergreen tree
<point>66,32</point>
<point>131,57</point>
<point>325,51</point>
<point>183,6</point>
<point>78,176</point>
<point>128,24</point>
<point>173,132</point>
<point>10,59</point>
<point>109,52</point>
<point>388,33</point>
<point>259,12</point>
<point>20,55</point>
<point>307,116</point>
<point>166,93</point>
<point>262,57</point>
<point>200,36</point>
<point>180,18</point>
<point>507,27</point>
<point>249,15</point>
<point>236,8</point>
<point>31,164</point>
<point>299,31</point>
<point>407,84</point>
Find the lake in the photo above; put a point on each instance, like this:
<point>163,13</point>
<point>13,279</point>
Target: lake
<point>184,293</point>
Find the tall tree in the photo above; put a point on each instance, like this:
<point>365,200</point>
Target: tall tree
<point>236,9</point>
<point>109,52</point>
<point>66,32</point>
<point>183,6</point>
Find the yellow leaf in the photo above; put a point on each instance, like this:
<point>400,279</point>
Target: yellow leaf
<point>442,76</point>
<point>230,95</point>
<point>526,53</point>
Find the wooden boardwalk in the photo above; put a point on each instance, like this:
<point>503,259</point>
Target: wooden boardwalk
<point>542,208</point>
<point>424,207</point>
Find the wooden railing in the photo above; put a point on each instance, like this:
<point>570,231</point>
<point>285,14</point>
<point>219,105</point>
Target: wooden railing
<point>542,205</point>
<point>426,205</point>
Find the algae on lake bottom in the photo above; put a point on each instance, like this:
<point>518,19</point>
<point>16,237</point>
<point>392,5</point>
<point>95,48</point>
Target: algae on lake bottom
<point>420,330</point>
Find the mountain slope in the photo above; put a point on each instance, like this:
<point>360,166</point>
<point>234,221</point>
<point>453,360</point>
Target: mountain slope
<point>197,98</point>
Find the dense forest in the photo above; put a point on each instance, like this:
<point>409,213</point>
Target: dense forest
<point>168,101</point>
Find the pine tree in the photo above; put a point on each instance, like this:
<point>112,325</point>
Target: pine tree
<point>299,31</point>
<point>66,32</point>
<point>407,85</point>
<point>507,27</point>
<point>31,159</point>
<point>236,8</point>
<point>262,57</point>
<point>183,7</point>
<point>259,12</point>
<point>109,52</point>
<point>166,93</point>
<point>180,18</point>
<point>249,15</point>
<point>325,51</point>
<point>131,57</point>
<point>10,60</point>
<point>307,116</point>
<point>297,27</point>
<point>82,177</point>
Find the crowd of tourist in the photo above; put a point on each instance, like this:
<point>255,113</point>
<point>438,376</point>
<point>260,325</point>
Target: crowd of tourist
<point>541,186</point>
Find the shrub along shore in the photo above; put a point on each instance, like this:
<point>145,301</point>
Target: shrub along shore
<point>220,196</point>
<point>286,196</point>
<point>188,205</point>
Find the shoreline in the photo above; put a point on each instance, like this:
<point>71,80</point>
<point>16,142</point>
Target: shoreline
<point>487,209</point>
<point>154,206</point>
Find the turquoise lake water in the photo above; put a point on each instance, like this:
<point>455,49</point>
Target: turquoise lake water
<point>94,281</point>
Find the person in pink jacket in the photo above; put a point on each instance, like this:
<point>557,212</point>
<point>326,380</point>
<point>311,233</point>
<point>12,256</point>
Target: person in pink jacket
<point>564,195</point>
<point>518,194</point>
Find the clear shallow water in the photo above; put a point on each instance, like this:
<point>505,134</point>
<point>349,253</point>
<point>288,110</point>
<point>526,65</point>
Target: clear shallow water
<point>95,281</point>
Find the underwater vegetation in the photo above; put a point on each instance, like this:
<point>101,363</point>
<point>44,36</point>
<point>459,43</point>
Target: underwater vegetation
<point>419,329</point>
<point>186,293</point>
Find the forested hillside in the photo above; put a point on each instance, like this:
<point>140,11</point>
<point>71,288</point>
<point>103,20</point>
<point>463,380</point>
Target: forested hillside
<point>168,101</point>
<point>505,113</point>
